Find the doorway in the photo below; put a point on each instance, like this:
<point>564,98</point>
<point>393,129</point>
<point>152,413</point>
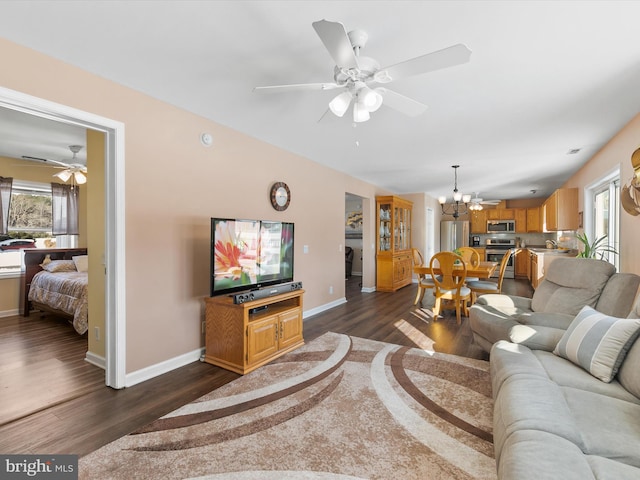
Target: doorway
<point>114,245</point>
<point>354,226</point>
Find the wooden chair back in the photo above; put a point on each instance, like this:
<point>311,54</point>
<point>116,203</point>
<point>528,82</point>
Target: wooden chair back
<point>418,259</point>
<point>451,277</point>
<point>470,256</point>
<point>503,266</point>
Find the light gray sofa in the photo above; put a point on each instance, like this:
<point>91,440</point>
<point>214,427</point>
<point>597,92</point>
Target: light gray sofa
<point>540,322</point>
<point>554,420</point>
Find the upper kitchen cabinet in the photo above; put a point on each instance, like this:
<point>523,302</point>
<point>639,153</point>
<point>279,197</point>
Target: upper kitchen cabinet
<point>561,210</point>
<point>520,215</point>
<point>501,214</point>
<point>478,221</point>
<point>534,223</point>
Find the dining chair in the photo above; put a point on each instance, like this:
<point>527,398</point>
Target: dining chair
<point>425,282</point>
<point>471,257</point>
<point>449,289</point>
<point>481,287</point>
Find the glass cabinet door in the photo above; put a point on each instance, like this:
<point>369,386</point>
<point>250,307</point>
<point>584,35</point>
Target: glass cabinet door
<point>385,227</point>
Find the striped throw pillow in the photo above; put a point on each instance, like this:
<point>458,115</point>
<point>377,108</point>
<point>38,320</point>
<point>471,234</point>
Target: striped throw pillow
<point>597,342</point>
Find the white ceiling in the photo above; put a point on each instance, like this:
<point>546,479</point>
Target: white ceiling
<point>544,78</point>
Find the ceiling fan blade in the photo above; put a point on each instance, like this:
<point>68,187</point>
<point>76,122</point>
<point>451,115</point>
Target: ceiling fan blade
<point>297,87</point>
<point>401,103</point>
<point>447,57</point>
<point>26,157</point>
<point>336,41</point>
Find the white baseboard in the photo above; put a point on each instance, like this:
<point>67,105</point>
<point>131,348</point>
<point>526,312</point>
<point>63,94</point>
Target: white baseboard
<point>322,308</point>
<point>9,313</point>
<point>96,360</point>
<point>152,371</point>
<point>368,289</point>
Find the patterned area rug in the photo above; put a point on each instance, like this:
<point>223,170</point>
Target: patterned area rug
<point>339,407</point>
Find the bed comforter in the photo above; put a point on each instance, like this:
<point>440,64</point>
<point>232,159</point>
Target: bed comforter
<point>64,291</point>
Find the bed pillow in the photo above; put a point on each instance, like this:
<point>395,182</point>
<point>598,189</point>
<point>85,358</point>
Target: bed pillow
<point>60,266</point>
<point>81,262</point>
<point>597,342</point>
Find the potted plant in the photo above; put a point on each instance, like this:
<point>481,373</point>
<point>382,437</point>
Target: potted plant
<point>596,249</point>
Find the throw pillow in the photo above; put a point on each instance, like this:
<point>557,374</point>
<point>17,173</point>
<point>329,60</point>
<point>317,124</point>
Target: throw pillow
<point>82,262</point>
<point>60,266</point>
<point>597,342</point>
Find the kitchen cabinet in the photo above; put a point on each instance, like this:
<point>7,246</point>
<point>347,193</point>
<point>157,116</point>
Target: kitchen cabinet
<point>501,214</point>
<point>242,337</point>
<point>393,243</point>
<point>478,221</point>
<point>537,269</point>
<point>561,210</point>
<point>520,215</point>
<point>522,263</point>
<point>534,225</point>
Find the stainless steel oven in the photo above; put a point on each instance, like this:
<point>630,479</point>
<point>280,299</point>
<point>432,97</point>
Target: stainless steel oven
<point>495,250</point>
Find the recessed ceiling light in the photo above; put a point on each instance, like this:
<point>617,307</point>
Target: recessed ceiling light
<point>573,151</point>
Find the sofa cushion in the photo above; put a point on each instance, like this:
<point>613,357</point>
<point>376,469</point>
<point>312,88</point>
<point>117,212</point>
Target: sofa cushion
<point>629,373</point>
<point>618,294</point>
<point>598,342</point>
<point>608,426</point>
<point>569,375</point>
<point>538,455</point>
<point>570,284</point>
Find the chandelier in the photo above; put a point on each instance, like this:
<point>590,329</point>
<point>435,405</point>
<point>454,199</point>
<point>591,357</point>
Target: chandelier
<point>454,208</point>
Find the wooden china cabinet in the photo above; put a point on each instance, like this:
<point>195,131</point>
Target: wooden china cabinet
<point>393,243</point>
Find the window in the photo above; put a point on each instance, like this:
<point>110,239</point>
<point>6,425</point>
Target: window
<point>602,203</point>
<point>30,217</point>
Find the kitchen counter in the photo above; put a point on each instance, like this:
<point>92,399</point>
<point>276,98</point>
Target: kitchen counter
<point>552,251</point>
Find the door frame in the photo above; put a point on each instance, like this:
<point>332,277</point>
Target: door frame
<point>114,261</point>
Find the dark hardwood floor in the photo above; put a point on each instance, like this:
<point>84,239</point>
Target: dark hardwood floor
<point>92,415</point>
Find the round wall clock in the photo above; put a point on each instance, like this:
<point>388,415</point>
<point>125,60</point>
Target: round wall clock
<point>280,196</point>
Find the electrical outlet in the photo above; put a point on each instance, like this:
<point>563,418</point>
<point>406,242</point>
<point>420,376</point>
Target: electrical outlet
<point>96,331</point>
<point>331,290</point>
<point>204,327</point>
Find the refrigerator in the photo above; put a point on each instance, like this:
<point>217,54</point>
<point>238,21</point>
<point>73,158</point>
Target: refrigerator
<point>453,234</point>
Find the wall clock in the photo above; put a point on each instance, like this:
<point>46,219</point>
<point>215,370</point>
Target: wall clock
<point>280,196</point>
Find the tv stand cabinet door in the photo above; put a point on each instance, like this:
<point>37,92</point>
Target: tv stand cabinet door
<point>262,340</point>
<point>290,328</point>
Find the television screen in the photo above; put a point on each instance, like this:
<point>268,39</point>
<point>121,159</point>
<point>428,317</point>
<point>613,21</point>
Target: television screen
<point>249,254</point>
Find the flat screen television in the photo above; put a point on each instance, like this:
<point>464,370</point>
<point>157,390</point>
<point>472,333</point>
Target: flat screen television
<point>249,254</point>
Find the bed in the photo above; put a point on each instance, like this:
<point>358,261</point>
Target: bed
<point>51,282</point>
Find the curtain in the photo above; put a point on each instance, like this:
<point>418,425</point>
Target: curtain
<point>64,203</point>
<point>5,201</point>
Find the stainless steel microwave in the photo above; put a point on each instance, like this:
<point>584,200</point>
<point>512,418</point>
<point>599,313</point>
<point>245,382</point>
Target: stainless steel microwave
<point>501,226</point>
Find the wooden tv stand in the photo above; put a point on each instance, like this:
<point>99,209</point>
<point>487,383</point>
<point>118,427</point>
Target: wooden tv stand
<point>243,337</point>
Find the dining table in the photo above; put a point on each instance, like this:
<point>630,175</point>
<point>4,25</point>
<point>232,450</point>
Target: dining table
<point>482,270</point>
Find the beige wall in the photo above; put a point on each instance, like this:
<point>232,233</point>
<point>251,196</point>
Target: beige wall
<point>174,185</point>
<point>616,153</point>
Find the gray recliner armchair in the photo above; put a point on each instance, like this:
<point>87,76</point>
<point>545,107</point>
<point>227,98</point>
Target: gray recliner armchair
<point>539,322</point>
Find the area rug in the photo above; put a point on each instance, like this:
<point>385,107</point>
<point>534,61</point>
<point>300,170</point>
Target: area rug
<point>338,407</point>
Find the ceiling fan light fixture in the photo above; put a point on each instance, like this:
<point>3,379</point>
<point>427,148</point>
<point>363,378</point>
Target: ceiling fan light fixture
<point>370,99</point>
<point>64,175</point>
<point>80,178</point>
<point>360,113</point>
<point>340,104</point>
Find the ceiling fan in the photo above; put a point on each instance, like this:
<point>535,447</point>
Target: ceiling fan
<point>73,170</point>
<point>356,74</point>
<point>477,202</point>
